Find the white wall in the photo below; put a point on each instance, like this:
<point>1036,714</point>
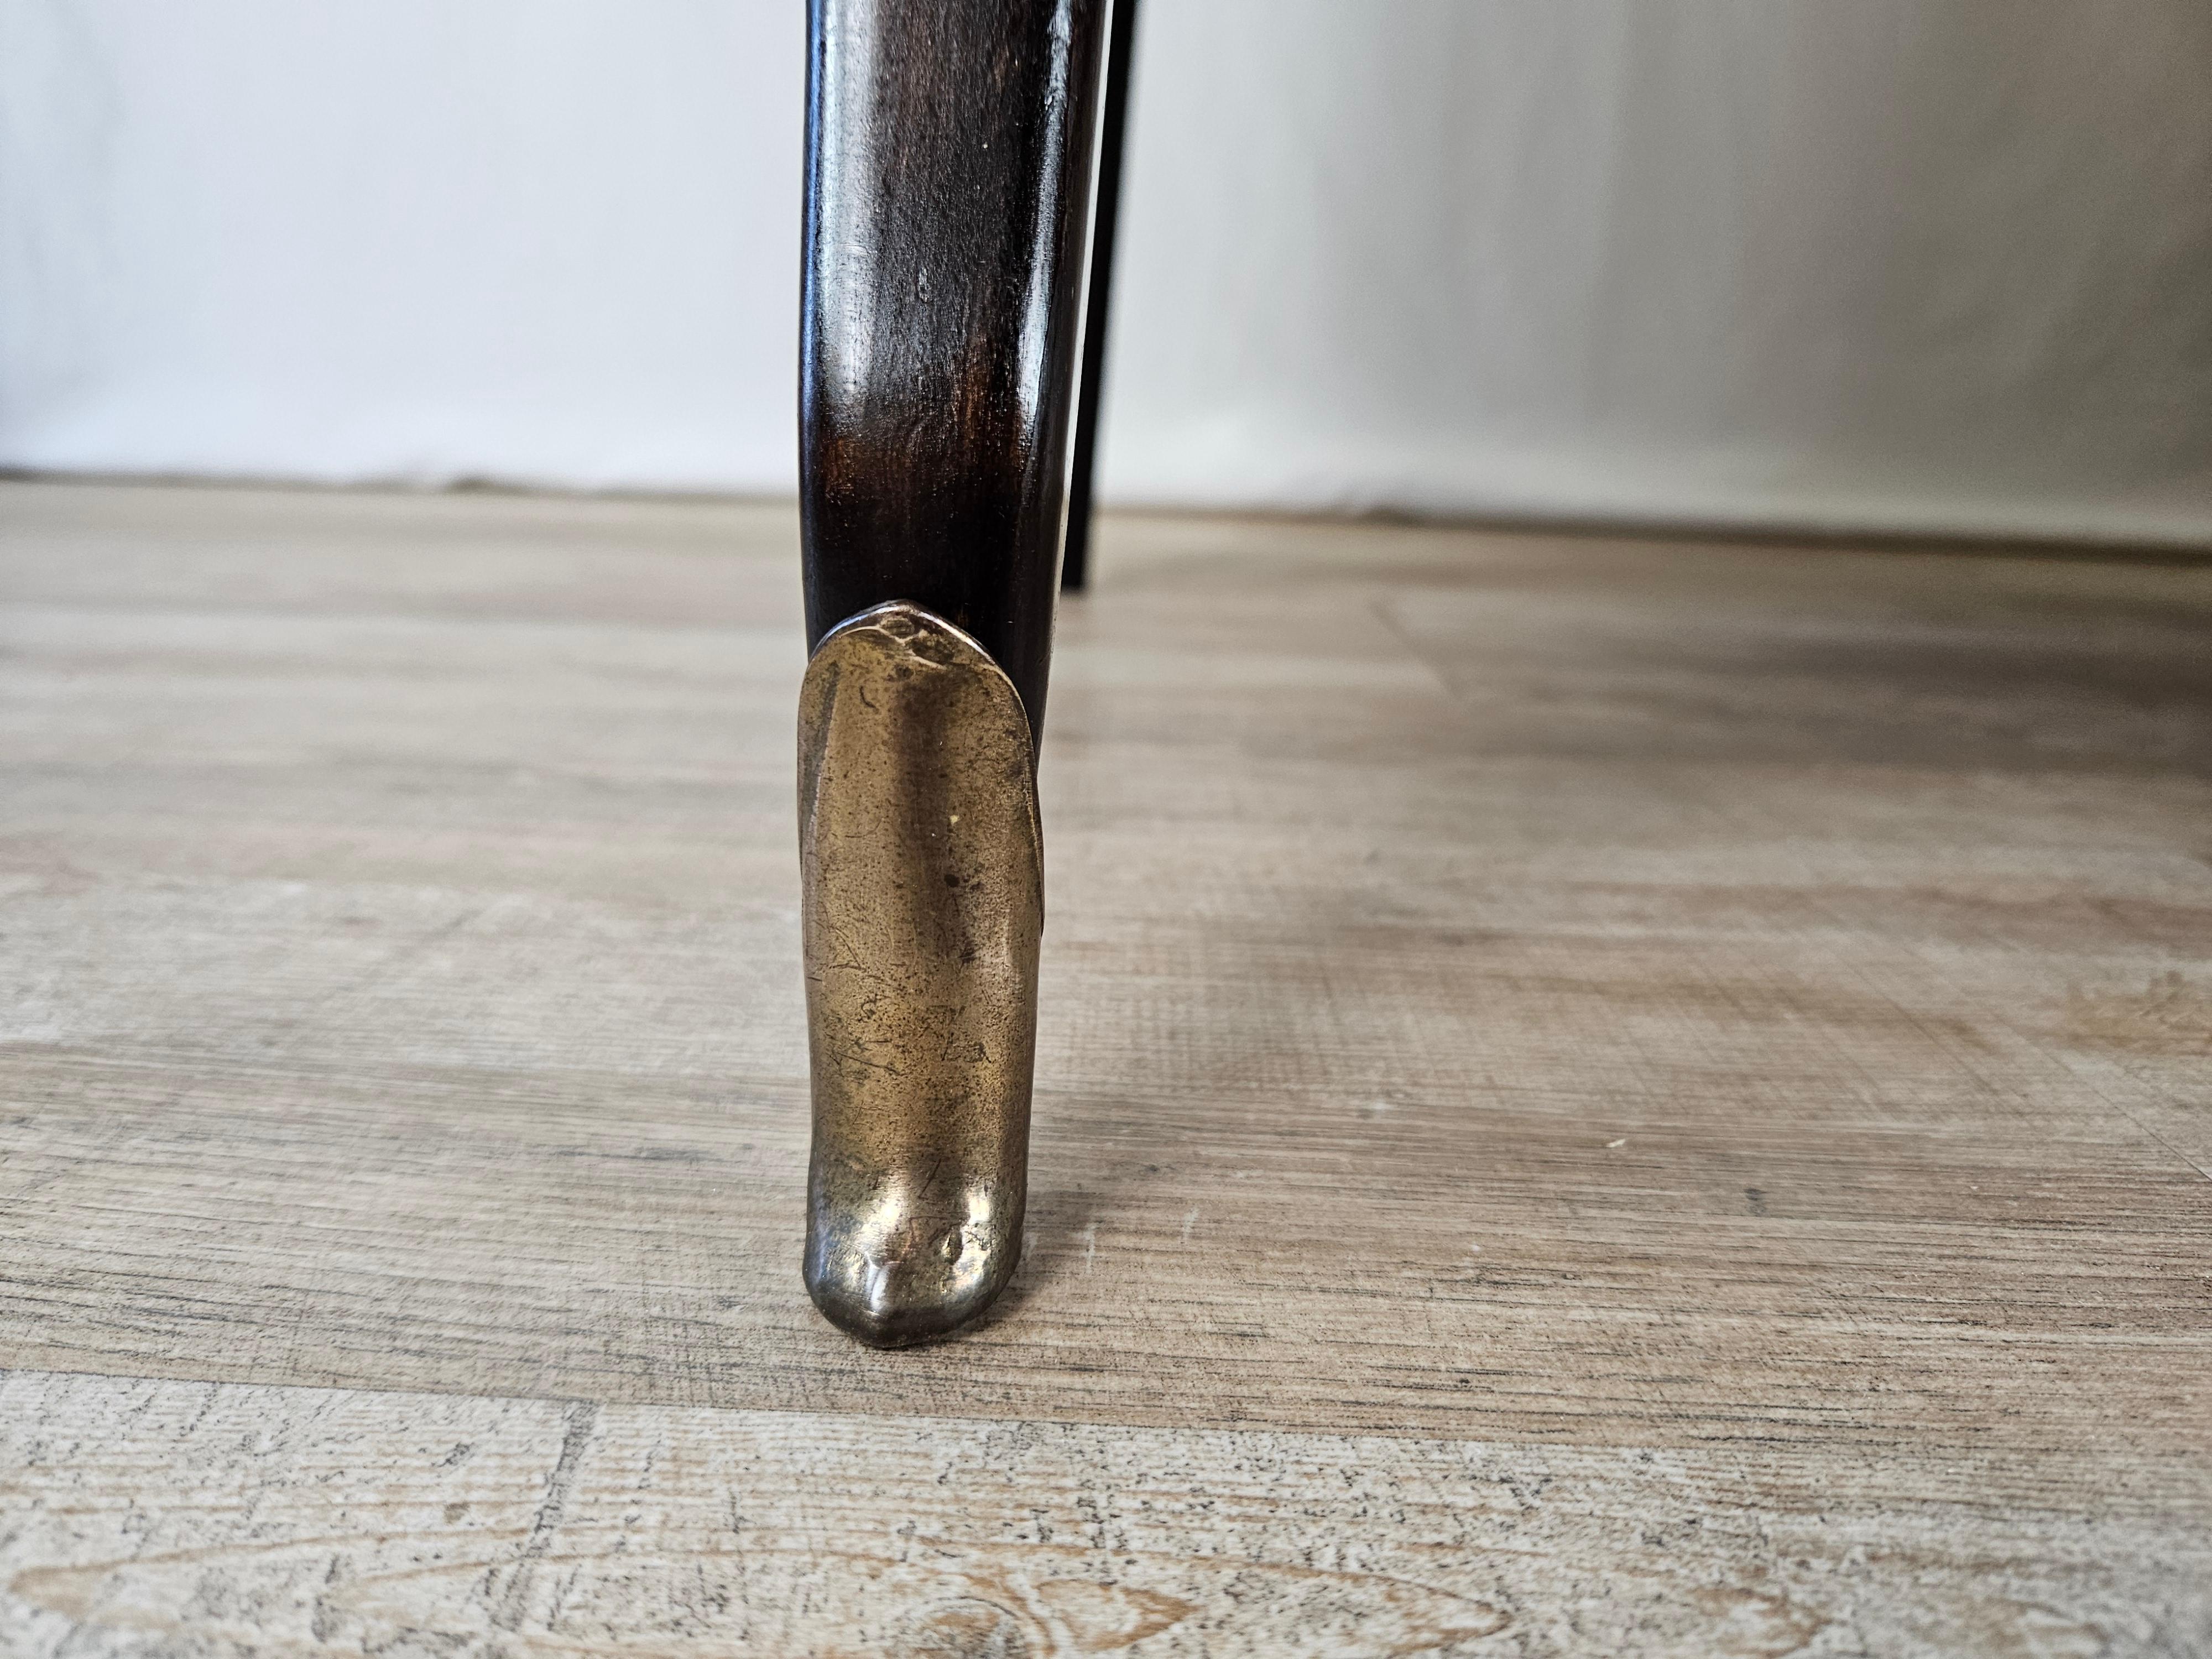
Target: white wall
<point>1912,263</point>
<point>1935,264</point>
<point>551,240</point>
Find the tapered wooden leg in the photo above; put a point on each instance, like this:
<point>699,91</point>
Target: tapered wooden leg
<point>950,148</point>
<point>1113,121</point>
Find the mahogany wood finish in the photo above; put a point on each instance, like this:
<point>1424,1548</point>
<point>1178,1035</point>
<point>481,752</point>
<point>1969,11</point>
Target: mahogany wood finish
<point>950,151</point>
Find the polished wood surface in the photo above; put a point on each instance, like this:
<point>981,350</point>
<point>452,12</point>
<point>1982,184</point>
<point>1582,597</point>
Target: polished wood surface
<point>950,152</point>
<point>1593,1095</point>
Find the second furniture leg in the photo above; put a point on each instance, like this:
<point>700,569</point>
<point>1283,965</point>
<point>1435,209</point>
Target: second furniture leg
<point>1113,123</point>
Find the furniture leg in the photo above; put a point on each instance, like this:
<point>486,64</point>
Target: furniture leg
<point>1113,123</point>
<point>950,147</point>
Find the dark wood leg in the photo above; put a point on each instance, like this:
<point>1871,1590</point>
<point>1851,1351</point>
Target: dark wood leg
<point>948,186</point>
<point>949,146</point>
<point>1075,562</point>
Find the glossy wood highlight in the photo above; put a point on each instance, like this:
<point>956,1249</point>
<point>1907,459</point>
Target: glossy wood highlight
<point>948,204</point>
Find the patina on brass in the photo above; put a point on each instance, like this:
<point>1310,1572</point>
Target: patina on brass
<point>924,900</point>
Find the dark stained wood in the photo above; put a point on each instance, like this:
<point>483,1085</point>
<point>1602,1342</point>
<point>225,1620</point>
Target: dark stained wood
<point>948,194</point>
<point>1075,562</point>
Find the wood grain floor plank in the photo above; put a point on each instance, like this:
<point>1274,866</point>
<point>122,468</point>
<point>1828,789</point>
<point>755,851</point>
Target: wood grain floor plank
<point>149,1518</point>
<point>1501,987</point>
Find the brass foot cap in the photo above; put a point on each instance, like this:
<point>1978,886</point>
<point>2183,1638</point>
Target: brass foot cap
<point>894,1274</point>
<point>924,900</point>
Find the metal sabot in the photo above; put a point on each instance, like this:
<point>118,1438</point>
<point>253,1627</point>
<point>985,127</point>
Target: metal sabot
<point>922,866</point>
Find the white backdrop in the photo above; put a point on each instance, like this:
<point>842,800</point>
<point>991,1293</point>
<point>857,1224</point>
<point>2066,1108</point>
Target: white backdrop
<point>1917,264</point>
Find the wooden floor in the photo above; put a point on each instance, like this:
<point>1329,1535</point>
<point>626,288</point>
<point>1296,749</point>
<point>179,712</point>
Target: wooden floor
<point>1596,1096</point>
